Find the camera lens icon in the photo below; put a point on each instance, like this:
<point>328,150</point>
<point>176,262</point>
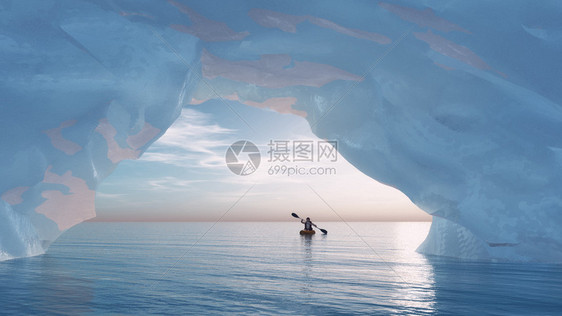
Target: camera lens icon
<point>243,158</point>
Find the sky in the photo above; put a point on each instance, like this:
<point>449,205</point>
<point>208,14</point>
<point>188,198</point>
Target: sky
<point>183,176</point>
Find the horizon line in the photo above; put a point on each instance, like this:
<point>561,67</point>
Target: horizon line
<point>247,221</point>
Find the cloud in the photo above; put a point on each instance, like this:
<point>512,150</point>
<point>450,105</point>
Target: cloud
<point>170,184</point>
<point>192,141</point>
<point>109,195</point>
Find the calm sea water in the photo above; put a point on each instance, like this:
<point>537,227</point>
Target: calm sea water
<point>266,268</point>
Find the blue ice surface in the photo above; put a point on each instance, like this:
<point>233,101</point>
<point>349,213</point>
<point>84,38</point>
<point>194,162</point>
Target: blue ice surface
<point>267,268</point>
<point>460,110</point>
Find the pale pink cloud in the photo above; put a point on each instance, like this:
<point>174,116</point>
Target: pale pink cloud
<point>288,23</point>
<point>231,97</point>
<point>13,196</point>
<point>59,142</point>
<point>451,49</point>
<point>272,19</point>
<point>67,210</point>
<point>205,29</point>
<point>145,135</point>
<point>370,36</point>
<point>423,18</point>
<point>195,101</point>
<point>271,71</point>
<point>115,152</point>
<point>443,66</point>
<point>282,105</point>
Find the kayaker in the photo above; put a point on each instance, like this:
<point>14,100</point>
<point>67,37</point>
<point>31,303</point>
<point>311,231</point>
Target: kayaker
<point>308,224</point>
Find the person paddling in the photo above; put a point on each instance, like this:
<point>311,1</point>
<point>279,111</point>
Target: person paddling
<point>308,224</point>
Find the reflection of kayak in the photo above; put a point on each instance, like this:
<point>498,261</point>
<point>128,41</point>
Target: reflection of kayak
<point>308,232</point>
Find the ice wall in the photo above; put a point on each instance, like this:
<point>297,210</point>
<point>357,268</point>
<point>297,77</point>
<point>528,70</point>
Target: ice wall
<point>83,85</point>
<point>455,103</point>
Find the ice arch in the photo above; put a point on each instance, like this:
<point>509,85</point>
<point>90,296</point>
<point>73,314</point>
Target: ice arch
<point>456,104</point>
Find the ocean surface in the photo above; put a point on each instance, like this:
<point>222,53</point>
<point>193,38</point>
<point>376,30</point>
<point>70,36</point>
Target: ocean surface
<point>267,268</point>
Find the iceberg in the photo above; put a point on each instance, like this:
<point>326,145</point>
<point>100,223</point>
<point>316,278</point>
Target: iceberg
<point>83,87</point>
<point>456,104</point>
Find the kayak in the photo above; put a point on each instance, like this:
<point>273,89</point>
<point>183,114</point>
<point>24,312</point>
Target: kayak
<point>308,232</point>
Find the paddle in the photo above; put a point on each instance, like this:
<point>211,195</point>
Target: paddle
<point>322,230</point>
